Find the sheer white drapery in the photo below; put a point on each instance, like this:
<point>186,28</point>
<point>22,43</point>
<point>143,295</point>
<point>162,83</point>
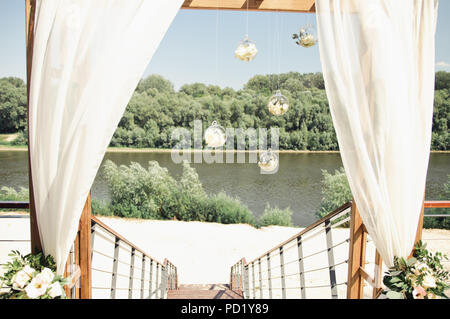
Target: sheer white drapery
<point>88,58</point>
<point>378,64</point>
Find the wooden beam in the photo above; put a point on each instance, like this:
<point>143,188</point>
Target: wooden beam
<point>357,255</point>
<point>253,5</point>
<point>30,10</point>
<point>85,251</point>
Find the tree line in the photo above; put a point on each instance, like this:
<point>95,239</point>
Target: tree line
<point>156,109</point>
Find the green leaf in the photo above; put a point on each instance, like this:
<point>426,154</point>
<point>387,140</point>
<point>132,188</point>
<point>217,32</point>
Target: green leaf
<point>411,261</point>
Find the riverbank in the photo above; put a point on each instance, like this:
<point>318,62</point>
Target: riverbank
<point>165,150</point>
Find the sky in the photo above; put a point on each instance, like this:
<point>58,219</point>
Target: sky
<point>199,46</point>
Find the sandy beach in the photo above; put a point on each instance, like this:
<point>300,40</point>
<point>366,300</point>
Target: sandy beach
<point>204,252</point>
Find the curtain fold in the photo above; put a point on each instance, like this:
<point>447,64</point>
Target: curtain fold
<point>378,65</point>
<point>88,58</point>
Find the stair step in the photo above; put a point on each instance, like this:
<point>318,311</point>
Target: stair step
<point>204,294</point>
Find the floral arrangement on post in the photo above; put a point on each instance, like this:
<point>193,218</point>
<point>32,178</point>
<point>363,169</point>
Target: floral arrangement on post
<point>32,277</point>
<point>420,277</point>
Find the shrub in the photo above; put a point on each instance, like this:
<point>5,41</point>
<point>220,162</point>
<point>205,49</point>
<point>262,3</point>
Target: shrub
<point>9,194</point>
<point>276,216</point>
<point>153,194</point>
<point>335,190</point>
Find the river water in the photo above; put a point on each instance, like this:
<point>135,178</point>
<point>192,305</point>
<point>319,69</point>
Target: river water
<point>297,184</point>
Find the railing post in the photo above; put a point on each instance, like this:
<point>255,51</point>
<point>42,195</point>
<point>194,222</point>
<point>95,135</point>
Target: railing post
<point>253,280</point>
<point>357,255</point>
<point>269,276</point>
<point>260,280</point>
<point>331,264</point>
<point>115,267</point>
<point>150,284</point>
<point>143,276</point>
<point>246,285</point>
<point>301,268</point>
<point>283,278</point>
<point>157,288</point>
<point>131,278</point>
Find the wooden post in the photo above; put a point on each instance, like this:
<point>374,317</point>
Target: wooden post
<point>85,251</point>
<point>357,255</point>
<point>30,9</point>
<point>419,227</point>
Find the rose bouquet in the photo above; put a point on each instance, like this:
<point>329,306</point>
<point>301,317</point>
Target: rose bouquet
<point>31,277</point>
<point>420,277</point>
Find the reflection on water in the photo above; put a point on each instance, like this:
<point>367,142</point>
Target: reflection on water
<point>296,185</point>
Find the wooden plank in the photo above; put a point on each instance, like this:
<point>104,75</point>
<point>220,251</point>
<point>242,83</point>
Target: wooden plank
<point>85,251</point>
<point>306,6</point>
<point>357,255</point>
<point>30,10</point>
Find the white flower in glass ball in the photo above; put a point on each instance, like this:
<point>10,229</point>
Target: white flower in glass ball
<point>268,161</point>
<point>215,135</point>
<point>246,50</point>
<point>306,37</point>
<point>278,104</point>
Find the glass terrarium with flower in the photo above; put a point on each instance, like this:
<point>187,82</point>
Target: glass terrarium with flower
<point>268,161</point>
<point>246,50</point>
<point>215,135</point>
<point>278,104</point>
<point>306,36</point>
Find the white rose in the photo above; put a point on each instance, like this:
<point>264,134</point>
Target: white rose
<point>28,270</point>
<point>429,282</point>
<point>422,267</point>
<point>46,275</point>
<point>36,288</point>
<point>55,290</point>
<point>20,279</point>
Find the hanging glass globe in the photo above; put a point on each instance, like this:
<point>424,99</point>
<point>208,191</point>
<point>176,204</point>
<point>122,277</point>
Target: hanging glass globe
<point>215,135</point>
<point>268,161</point>
<point>278,104</point>
<point>306,36</point>
<point>246,50</point>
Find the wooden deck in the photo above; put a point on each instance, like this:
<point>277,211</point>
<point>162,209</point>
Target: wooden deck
<point>214,291</point>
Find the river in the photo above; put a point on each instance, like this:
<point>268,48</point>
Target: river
<point>297,184</point>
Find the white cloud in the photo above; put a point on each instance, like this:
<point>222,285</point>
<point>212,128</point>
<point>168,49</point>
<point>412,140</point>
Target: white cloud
<point>443,64</point>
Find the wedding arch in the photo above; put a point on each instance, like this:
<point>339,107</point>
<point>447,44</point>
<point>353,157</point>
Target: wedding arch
<point>378,65</point>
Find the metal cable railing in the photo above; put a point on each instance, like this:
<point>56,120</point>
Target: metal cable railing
<point>128,271</point>
<point>273,274</point>
<point>284,273</point>
<point>132,273</point>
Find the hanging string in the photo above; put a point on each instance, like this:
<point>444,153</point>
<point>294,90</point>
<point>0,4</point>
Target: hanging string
<point>247,19</point>
<point>217,40</point>
<point>278,47</point>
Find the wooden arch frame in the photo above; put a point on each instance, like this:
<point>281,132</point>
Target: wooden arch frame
<point>83,238</point>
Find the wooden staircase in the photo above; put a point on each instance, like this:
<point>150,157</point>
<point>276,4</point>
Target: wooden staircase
<point>213,291</point>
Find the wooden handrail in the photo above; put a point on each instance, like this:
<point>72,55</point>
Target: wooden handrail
<point>437,204</point>
<point>97,221</point>
<point>307,229</point>
<point>15,205</point>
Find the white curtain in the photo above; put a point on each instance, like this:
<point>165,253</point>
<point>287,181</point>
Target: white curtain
<point>378,64</point>
<point>88,58</point>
